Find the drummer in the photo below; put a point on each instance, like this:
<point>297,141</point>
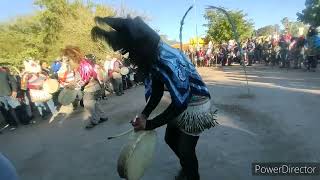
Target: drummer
<point>86,77</point>
<point>33,78</point>
<point>162,66</point>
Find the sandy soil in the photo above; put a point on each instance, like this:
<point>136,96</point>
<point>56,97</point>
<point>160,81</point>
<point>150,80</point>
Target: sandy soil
<point>277,121</point>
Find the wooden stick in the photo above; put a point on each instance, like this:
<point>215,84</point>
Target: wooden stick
<point>121,134</point>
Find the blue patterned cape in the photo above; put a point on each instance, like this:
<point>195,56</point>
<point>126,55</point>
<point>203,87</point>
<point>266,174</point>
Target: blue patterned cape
<point>178,74</point>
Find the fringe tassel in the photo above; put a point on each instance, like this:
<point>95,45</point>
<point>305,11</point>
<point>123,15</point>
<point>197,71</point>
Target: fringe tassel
<point>198,118</point>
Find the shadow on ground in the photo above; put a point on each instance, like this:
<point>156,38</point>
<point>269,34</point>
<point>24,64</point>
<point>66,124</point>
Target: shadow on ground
<point>278,122</point>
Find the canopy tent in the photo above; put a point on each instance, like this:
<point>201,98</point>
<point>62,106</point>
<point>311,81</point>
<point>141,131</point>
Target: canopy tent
<point>196,41</point>
<point>184,46</point>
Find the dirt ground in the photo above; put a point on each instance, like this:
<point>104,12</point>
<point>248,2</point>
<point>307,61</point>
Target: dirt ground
<point>277,122</point>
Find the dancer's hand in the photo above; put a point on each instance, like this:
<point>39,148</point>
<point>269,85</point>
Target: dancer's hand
<point>139,123</point>
<point>14,94</point>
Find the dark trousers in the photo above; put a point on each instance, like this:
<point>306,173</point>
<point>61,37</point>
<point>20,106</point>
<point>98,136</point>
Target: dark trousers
<point>312,62</point>
<point>184,146</point>
<point>117,86</point>
<point>250,58</point>
<point>9,116</point>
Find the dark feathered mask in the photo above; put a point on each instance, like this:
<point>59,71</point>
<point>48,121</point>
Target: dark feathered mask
<point>129,35</point>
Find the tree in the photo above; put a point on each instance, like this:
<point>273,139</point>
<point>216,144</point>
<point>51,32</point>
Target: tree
<point>285,22</point>
<point>293,27</point>
<point>266,30</point>
<point>51,19</point>
<point>311,14</point>
<point>56,24</point>
<point>219,28</point>
<point>20,39</point>
<point>76,29</point>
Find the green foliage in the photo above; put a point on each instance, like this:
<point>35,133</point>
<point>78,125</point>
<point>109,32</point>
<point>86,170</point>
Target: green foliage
<point>219,28</point>
<point>311,14</point>
<point>43,34</point>
<point>20,39</point>
<point>293,27</point>
<point>267,30</point>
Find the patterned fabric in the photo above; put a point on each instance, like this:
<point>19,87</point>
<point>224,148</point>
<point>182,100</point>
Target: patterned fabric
<point>178,74</point>
<point>32,81</point>
<point>66,78</point>
<point>8,101</point>
<point>86,70</point>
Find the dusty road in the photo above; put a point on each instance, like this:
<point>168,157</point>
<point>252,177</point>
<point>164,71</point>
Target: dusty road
<point>279,121</point>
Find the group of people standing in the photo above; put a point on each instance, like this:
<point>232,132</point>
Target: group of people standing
<point>16,100</point>
<point>19,92</point>
<point>285,52</point>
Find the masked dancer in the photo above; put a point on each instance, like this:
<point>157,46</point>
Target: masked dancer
<point>189,113</point>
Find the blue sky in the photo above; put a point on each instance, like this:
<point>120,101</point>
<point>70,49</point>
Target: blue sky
<point>166,14</point>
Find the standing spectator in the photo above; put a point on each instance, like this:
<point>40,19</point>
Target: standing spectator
<point>55,67</point>
<point>197,58</point>
<point>208,56</point>
<point>44,68</point>
<point>131,75</point>
<point>313,50</point>
<point>284,49</point>
<point>222,55</point>
<point>258,52</point>
<point>250,48</point>
<point>275,54</point>
<point>8,101</point>
<point>114,70</point>
<point>202,57</point>
<point>33,80</point>
<point>108,83</point>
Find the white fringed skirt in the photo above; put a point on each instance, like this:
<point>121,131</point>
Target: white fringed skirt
<point>198,116</point>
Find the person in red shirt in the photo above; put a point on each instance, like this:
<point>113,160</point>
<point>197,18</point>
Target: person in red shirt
<point>86,78</point>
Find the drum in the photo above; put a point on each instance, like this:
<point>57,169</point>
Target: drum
<point>39,95</point>
<point>137,155</point>
<point>51,86</point>
<point>124,71</point>
<point>67,96</point>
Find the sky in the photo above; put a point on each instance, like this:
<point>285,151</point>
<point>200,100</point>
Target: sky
<point>166,14</point>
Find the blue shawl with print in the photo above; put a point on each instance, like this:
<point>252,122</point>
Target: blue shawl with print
<point>178,74</point>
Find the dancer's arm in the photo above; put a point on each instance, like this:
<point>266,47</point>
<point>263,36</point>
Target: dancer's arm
<point>169,114</point>
<point>157,93</point>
